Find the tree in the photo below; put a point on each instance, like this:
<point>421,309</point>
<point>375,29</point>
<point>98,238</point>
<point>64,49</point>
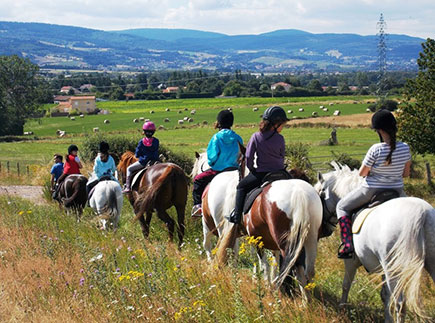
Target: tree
<point>19,93</point>
<point>315,85</point>
<point>416,121</point>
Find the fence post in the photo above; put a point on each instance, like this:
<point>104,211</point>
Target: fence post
<point>27,169</point>
<point>0,166</point>
<point>428,174</point>
<point>7,166</point>
<point>18,168</point>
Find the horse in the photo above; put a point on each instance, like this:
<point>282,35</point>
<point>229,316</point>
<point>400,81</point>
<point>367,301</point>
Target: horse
<point>287,215</point>
<point>72,193</point>
<point>397,240</point>
<point>107,202</point>
<point>163,185</point>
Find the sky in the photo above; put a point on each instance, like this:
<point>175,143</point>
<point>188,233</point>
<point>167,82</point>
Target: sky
<point>414,18</point>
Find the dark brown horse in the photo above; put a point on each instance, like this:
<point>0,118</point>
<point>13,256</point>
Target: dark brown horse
<point>72,193</point>
<point>162,186</point>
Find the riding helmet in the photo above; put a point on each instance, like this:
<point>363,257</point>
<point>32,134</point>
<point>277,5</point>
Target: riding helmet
<point>225,118</point>
<point>275,114</point>
<point>104,147</point>
<point>149,125</point>
<point>72,148</point>
<point>384,119</point>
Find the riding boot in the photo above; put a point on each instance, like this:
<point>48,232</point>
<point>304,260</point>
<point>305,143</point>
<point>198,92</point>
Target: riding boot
<point>127,188</point>
<point>236,214</point>
<point>346,248</point>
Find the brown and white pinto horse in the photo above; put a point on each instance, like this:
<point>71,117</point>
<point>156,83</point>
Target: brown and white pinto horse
<point>287,216</point>
<point>72,193</point>
<point>162,186</point>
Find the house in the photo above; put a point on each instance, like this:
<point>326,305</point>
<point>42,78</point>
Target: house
<point>86,87</point>
<point>170,89</point>
<point>60,98</point>
<point>67,89</point>
<point>286,86</point>
<point>83,104</point>
<point>129,96</point>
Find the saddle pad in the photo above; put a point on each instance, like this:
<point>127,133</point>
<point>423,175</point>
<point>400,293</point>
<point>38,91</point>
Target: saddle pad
<point>137,176</point>
<point>250,198</point>
<point>360,218</point>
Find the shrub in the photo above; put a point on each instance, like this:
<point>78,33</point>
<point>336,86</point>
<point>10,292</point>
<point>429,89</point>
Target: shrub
<point>296,156</point>
<point>346,159</point>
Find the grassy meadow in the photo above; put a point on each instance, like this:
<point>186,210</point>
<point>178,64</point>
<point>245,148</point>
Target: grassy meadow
<point>55,269</point>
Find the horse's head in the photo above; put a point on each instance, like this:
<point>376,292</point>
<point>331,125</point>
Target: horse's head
<point>200,165</point>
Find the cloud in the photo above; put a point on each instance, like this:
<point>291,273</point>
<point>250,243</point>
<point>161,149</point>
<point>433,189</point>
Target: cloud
<point>231,16</point>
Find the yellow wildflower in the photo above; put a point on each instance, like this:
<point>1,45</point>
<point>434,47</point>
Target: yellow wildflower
<point>213,252</point>
<point>29,212</point>
<point>199,303</point>
<point>310,286</point>
<point>21,213</point>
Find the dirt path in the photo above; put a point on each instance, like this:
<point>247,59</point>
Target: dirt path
<point>32,193</point>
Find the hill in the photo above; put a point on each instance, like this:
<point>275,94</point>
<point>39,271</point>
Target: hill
<point>56,46</point>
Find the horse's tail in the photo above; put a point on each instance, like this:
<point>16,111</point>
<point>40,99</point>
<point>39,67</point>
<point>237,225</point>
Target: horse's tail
<point>227,240</point>
<point>79,187</point>
<point>297,234</point>
<point>148,199</point>
<point>405,262</point>
<point>112,209</point>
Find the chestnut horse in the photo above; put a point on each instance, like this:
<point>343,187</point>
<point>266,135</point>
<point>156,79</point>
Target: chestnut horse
<point>72,193</point>
<point>162,186</point>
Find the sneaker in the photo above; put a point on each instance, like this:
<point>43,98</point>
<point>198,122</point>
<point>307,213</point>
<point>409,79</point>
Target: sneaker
<point>345,251</point>
<point>126,190</point>
<point>197,211</point>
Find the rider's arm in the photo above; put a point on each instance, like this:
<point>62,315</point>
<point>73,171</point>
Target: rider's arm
<point>77,159</point>
<point>407,169</point>
<point>52,181</point>
<point>364,171</point>
<point>213,151</point>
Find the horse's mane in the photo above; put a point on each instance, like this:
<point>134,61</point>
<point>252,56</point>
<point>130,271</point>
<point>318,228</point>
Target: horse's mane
<point>200,165</point>
<point>342,179</point>
<point>126,160</point>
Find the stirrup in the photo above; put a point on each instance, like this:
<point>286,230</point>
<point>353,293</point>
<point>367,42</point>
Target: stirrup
<point>345,252</point>
<point>196,211</point>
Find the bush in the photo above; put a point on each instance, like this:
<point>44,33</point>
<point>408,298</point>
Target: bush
<point>345,159</point>
<point>390,105</point>
<point>120,144</point>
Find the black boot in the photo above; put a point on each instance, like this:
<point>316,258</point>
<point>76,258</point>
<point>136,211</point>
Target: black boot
<point>235,217</point>
<point>346,248</point>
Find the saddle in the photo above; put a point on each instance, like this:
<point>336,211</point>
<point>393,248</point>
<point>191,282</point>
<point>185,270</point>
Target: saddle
<point>138,175</point>
<point>360,214</point>
<point>269,178</point>
<point>94,184</point>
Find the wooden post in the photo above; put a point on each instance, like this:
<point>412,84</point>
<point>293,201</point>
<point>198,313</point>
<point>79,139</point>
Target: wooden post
<point>27,169</point>
<point>428,174</point>
<point>7,166</point>
<point>18,169</point>
<point>0,166</point>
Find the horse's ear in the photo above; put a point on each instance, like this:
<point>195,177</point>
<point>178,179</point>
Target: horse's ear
<point>196,155</point>
<point>320,177</point>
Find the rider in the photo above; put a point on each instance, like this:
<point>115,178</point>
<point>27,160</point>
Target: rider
<point>56,170</point>
<point>269,147</point>
<point>104,166</point>
<point>222,153</point>
<point>147,150</point>
<point>383,167</point>
<point>72,166</point>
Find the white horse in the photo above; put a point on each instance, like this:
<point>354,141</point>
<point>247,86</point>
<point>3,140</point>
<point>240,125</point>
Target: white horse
<point>107,202</point>
<point>397,239</point>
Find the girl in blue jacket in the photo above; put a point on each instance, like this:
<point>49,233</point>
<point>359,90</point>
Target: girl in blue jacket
<point>147,150</point>
<point>222,154</point>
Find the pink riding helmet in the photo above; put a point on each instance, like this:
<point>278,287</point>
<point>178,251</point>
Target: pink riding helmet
<point>149,125</point>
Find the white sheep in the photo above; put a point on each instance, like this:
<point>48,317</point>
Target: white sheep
<point>96,129</point>
<point>321,107</point>
<point>325,109</point>
<point>106,121</point>
<point>301,109</point>
<point>289,111</point>
<point>82,116</point>
<point>337,112</point>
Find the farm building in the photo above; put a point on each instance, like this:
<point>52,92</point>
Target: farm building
<point>170,89</point>
<point>67,89</point>
<point>286,86</point>
<point>83,104</point>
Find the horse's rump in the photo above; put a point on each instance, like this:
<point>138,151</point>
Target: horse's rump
<point>74,191</point>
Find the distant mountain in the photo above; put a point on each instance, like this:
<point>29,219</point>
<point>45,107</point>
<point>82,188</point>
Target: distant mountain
<point>55,46</point>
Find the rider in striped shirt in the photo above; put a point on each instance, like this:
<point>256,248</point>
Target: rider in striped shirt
<point>383,167</point>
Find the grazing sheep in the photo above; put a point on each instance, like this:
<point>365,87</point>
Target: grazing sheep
<point>301,109</point>
<point>82,116</point>
<point>167,109</point>
<point>106,121</point>
<point>152,111</point>
<point>193,112</point>
<point>337,112</point>
<point>325,109</point>
<point>255,109</point>
<point>180,121</point>
<point>289,111</point>
<point>96,129</point>
<point>321,107</point>
<point>186,118</point>
<point>135,120</point>
<point>141,119</point>
<point>314,114</point>
<point>166,120</point>
<point>190,120</point>
<point>72,118</point>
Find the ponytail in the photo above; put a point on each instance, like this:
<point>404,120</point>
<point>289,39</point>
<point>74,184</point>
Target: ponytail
<point>392,134</point>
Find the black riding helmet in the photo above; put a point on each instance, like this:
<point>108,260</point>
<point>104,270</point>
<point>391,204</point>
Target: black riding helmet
<point>72,148</point>
<point>384,119</point>
<point>104,147</point>
<point>275,114</point>
<point>225,118</point>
